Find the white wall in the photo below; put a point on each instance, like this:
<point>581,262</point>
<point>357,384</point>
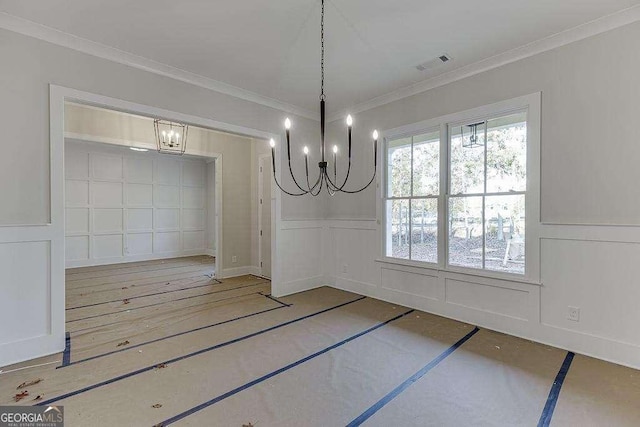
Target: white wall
<point>31,65</point>
<point>124,206</point>
<point>589,234</point>
<point>31,227</point>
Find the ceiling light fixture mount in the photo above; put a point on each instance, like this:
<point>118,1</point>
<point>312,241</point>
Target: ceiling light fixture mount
<point>171,137</point>
<point>324,179</point>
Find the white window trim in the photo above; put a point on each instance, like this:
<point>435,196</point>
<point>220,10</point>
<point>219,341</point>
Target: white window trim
<point>532,104</point>
<point>436,128</point>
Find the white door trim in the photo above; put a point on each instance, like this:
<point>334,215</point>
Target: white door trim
<point>266,201</point>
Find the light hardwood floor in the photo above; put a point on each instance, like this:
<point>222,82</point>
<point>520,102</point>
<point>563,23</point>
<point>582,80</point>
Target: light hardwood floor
<point>161,343</point>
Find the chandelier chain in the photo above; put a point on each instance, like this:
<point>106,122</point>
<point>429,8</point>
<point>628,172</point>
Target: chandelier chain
<point>322,95</point>
<point>332,185</point>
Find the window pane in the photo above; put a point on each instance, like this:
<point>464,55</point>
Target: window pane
<point>398,228</point>
<point>424,234</point>
<point>465,231</point>
<point>399,168</point>
<point>505,231</point>
<point>507,153</point>
<point>426,164</point>
<point>467,163</point>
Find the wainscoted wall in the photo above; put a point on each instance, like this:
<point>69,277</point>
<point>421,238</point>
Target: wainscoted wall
<point>589,110</point>
<point>123,206</point>
<point>32,177</point>
<point>300,256</point>
<point>588,170</point>
<point>590,267</point>
<point>28,256</point>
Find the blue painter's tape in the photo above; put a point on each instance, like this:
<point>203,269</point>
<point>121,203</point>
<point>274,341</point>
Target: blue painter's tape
<point>142,296</point>
<point>409,381</point>
<point>168,337</point>
<point>277,300</point>
<point>110,274</point>
<point>189,355</point>
<point>277,372</point>
<point>191,306</point>
<point>66,356</point>
<point>168,302</point>
<point>554,393</point>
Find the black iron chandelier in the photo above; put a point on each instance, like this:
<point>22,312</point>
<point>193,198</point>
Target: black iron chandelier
<point>324,178</point>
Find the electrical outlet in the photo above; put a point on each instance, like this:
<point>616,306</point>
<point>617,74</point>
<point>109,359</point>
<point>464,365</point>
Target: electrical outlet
<point>574,314</point>
<point>344,268</point>
<point>234,259</point>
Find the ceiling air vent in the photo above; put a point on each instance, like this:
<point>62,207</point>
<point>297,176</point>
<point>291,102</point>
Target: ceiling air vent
<point>433,63</point>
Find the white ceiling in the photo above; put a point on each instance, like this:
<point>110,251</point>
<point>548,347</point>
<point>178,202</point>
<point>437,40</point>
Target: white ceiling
<point>272,47</point>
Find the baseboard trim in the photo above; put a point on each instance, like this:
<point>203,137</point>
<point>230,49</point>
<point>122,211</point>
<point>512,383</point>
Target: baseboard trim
<point>211,252</point>
<point>362,288</point>
<point>617,352</point>
<point>32,348</point>
<point>124,260</point>
<point>295,286</point>
<point>239,271</point>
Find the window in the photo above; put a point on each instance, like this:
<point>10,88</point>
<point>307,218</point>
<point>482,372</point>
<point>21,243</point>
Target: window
<point>413,190</point>
<point>488,182</point>
<point>456,190</point>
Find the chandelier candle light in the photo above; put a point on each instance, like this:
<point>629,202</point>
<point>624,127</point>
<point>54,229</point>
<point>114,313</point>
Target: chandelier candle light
<point>332,185</point>
<point>171,138</point>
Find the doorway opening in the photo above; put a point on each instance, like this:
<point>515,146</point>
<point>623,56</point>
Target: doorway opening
<point>145,215</point>
<point>127,203</point>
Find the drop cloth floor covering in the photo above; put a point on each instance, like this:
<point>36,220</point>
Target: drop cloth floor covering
<point>161,343</point>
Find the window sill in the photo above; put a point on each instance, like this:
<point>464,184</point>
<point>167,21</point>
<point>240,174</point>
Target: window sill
<point>458,270</point>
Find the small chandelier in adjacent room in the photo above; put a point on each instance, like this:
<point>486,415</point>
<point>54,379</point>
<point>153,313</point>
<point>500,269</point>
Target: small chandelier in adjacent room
<point>474,139</point>
<point>325,178</point>
<point>171,137</point>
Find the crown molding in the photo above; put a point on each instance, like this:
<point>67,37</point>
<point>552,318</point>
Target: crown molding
<point>583,31</point>
<point>51,35</point>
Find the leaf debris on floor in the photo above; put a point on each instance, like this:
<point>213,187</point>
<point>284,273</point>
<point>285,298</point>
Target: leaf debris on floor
<point>160,366</point>
<point>157,405</point>
<point>38,397</point>
<point>18,397</point>
<point>123,343</point>
<point>126,301</point>
<point>29,383</point>
<point>247,425</point>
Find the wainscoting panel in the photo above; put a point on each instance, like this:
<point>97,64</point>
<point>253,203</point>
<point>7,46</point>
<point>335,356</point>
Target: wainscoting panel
<point>123,206</point>
<point>499,300</point>
<point>600,278</point>
<point>31,280</point>
<point>77,248</point>
<point>29,285</point>
<point>413,284</point>
<point>301,254</point>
